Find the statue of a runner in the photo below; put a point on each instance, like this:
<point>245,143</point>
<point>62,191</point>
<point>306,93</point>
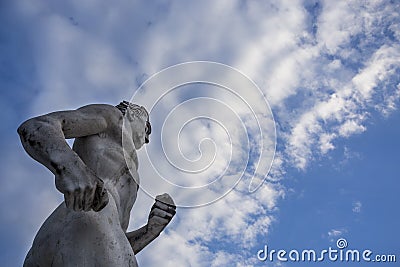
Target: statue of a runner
<point>99,185</point>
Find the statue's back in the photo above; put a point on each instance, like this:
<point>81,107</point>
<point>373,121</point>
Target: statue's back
<point>78,238</point>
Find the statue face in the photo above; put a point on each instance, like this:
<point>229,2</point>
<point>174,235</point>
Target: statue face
<point>140,127</point>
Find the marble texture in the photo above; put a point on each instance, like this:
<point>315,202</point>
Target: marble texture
<point>99,186</point>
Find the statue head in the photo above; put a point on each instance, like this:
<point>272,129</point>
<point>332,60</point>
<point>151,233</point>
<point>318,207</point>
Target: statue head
<point>138,119</point>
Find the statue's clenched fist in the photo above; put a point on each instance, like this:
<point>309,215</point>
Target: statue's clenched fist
<point>161,214</point>
<point>83,191</point>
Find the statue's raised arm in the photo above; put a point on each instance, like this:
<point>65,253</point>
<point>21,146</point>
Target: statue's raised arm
<point>44,137</point>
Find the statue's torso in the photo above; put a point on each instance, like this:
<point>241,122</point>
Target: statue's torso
<point>105,157</point>
<point>94,238</point>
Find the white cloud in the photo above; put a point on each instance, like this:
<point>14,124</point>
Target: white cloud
<point>378,68</point>
<point>320,85</point>
<point>334,234</point>
<point>357,205</point>
<point>336,24</point>
<point>390,102</point>
<point>350,127</point>
<point>322,119</point>
<point>325,142</point>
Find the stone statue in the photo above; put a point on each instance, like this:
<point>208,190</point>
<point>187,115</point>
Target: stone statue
<point>99,185</point>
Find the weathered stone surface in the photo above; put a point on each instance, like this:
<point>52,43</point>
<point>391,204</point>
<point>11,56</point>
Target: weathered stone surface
<point>99,186</point>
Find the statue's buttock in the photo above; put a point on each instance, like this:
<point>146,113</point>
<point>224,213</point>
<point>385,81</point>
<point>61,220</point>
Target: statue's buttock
<point>75,238</point>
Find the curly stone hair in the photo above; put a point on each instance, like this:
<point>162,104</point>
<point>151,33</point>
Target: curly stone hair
<point>136,109</point>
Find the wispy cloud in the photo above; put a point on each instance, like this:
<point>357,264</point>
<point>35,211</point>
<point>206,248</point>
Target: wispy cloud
<point>357,205</point>
<point>323,69</point>
<point>334,234</point>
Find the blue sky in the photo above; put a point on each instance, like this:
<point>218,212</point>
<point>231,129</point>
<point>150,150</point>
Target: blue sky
<point>329,70</point>
<point>331,190</point>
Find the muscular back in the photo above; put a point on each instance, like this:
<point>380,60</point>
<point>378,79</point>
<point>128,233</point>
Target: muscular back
<point>44,139</point>
<point>104,155</point>
<point>99,181</point>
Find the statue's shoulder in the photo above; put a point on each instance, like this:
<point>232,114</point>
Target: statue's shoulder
<point>102,110</point>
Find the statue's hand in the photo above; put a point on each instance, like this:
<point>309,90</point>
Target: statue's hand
<point>161,214</point>
<point>82,190</point>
